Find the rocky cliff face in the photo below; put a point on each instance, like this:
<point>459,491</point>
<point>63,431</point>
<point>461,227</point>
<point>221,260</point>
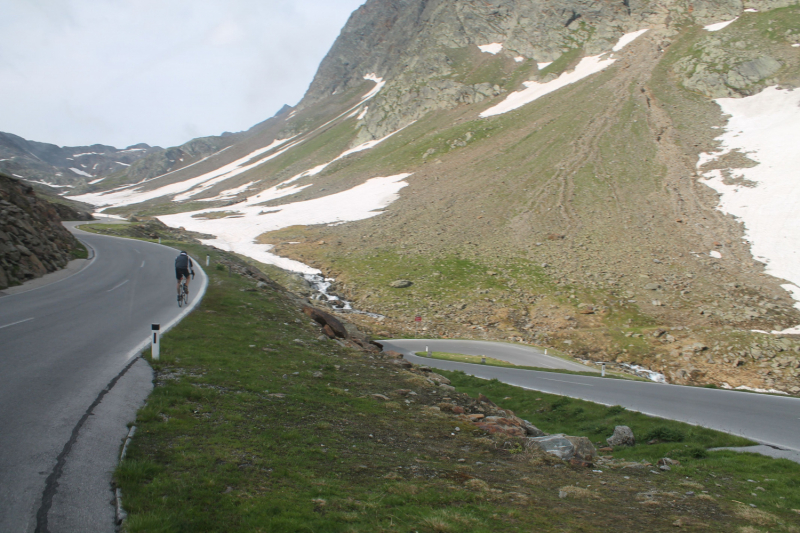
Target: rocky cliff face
<point>427,49</point>
<point>32,240</point>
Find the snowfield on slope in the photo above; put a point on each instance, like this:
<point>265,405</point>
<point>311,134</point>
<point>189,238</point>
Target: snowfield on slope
<point>535,90</point>
<point>188,189</point>
<point>239,234</point>
<point>765,127</point>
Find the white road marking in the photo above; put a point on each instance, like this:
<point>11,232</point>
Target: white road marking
<point>15,323</point>
<point>570,382</point>
<point>118,286</point>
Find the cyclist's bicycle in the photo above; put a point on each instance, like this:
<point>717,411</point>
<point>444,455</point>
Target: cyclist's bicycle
<point>183,295</point>
<point>183,290</point>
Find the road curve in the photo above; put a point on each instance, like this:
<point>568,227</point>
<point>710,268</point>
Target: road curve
<point>770,420</point>
<point>517,354</point>
<point>70,382</point>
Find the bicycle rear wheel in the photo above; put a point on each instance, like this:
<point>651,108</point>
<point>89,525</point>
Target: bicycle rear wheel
<point>185,296</point>
<point>180,297</point>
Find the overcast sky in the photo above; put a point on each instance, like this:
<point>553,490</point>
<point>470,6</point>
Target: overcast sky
<point>120,72</point>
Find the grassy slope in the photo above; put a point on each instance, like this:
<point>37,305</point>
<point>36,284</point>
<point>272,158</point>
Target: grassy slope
<point>612,174</point>
<point>239,435</point>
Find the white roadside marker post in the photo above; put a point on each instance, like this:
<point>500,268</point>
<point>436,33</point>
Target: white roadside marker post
<point>603,370</point>
<point>154,340</point>
<point>428,351</point>
<point>208,258</point>
<point>483,359</point>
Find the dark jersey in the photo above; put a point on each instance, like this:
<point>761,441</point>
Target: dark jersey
<point>182,262</point>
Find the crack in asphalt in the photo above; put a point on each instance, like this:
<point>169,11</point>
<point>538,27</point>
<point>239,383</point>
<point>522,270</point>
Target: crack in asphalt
<point>51,484</point>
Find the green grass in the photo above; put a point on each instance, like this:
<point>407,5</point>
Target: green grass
<point>725,474</point>
<point>239,435</point>
<point>79,251</point>
<point>565,61</point>
<point>491,361</point>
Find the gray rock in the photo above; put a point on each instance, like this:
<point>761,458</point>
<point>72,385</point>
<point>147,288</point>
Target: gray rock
<point>623,436</point>
<point>758,69</point>
<point>584,449</point>
<point>652,286</point>
<point>532,430</point>
<point>400,284</point>
<point>558,445</point>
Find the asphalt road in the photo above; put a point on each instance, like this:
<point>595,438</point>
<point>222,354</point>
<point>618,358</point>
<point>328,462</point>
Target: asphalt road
<point>70,382</point>
<point>767,419</point>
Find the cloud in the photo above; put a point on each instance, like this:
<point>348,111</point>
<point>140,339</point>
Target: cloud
<point>80,72</point>
<point>229,32</point>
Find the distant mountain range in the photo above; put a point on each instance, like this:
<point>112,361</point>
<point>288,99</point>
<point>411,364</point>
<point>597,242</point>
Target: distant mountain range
<point>65,167</point>
<point>610,179</point>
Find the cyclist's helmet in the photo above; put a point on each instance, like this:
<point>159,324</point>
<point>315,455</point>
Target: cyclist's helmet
<point>183,253</point>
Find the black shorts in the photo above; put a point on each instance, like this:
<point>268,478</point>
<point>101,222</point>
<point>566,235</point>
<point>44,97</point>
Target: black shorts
<point>181,273</point>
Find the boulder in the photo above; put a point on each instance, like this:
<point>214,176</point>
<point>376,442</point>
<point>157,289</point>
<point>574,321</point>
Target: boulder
<point>326,319</point>
<point>623,436</point>
<point>438,378</point>
<point>558,445</point>
<point>584,449</point>
<point>400,284</point>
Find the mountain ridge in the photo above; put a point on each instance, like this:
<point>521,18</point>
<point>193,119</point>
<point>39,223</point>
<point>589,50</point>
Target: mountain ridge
<point>579,220</point>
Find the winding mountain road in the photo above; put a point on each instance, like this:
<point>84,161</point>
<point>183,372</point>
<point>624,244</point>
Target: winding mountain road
<point>70,381</point>
<point>770,420</point>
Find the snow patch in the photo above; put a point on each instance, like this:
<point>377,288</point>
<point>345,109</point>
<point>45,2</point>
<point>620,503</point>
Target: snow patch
<point>363,113</point>
<point>365,146</point>
<point>751,389</point>
<point>646,373</point>
<point>751,10</point>
<point>230,193</point>
<point>239,234</point>
<point>542,66</point>
<point>493,48</point>
<point>719,25</point>
<point>134,194</point>
<point>80,172</point>
<point>96,181</point>
<point>534,90</point>
<point>766,127</point>
<point>379,83</point>
<point>519,59</point>
<point>715,254</point>
<point>120,163</point>
<point>87,153</point>
<point>627,39</point>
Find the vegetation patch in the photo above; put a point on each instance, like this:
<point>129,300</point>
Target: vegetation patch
<point>259,423</point>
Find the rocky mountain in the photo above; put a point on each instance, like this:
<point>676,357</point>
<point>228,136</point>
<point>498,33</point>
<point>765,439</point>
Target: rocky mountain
<point>63,168</point>
<point>610,179</point>
<point>33,241</point>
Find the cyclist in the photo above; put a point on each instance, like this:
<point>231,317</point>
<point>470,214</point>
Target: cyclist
<point>183,264</point>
